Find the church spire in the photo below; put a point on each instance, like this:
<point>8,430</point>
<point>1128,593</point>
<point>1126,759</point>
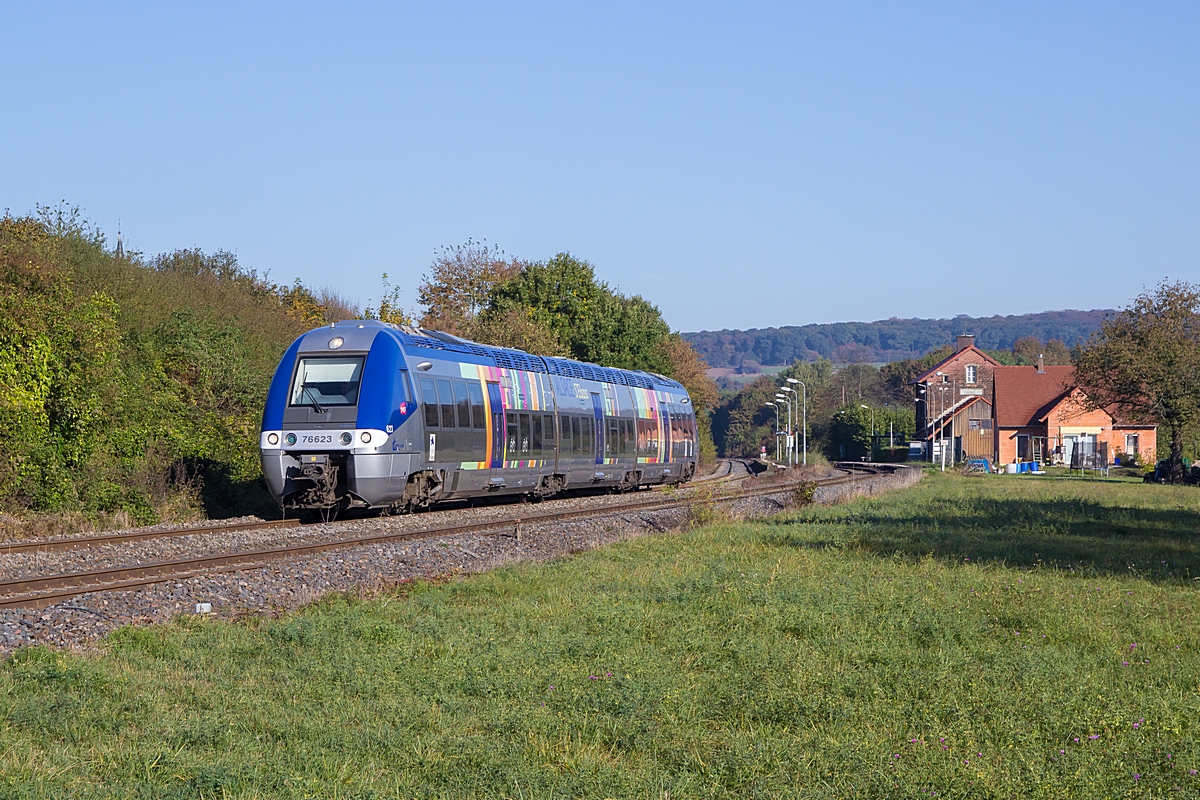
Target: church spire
<point>120,245</point>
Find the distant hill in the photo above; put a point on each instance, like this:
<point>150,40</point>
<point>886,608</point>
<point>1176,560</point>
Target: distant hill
<point>888,339</point>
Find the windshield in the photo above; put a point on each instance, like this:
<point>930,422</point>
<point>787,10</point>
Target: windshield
<point>327,381</point>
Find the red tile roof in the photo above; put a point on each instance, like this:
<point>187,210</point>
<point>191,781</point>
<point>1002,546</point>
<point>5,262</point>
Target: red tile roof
<point>1024,396</point>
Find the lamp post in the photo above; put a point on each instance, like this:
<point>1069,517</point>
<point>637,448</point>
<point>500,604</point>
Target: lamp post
<point>953,387</point>
<point>941,389</point>
<point>804,407</point>
<point>791,395</point>
<point>872,410</point>
<point>772,405</point>
<point>923,390</point>
<point>941,411</point>
<point>891,433</point>
<point>786,399</point>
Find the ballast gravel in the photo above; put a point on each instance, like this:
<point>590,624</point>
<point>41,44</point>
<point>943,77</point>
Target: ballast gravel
<point>289,583</point>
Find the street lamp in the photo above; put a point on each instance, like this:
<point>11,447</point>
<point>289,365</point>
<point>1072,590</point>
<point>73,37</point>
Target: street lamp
<point>804,406</point>
<point>772,405</point>
<point>783,397</point>
<point>868,408</point>
<point>791,395</point>
<point>891,432</point>
<point>941,411</point>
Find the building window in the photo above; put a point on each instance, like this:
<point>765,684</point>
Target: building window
<point>981,425</point>
<point>1131,443</point>
<point>972,373</point>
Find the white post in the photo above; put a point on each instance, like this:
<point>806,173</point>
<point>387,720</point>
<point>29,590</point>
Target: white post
<point>772,405</point>
<point>804,407</point>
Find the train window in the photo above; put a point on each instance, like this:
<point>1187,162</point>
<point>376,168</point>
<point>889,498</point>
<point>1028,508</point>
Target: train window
<point>475,391</point>
<point>535,443</point>
<point>327,381</point>
<point>525,434</point>
<point>512,438</point>
<point>589,442</point>
<point>630,439</point>
<point>429,400</point>
<point>611,440</point>
<point>576,437</point>
<point>564,436</point>
<point>548,430</point>
<point>462,404</point>
<point>446,401</point>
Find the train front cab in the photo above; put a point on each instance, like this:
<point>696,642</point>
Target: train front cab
<point>338,426</point>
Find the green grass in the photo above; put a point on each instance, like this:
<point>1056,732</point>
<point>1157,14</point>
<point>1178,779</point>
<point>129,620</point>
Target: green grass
<point>833,652</point>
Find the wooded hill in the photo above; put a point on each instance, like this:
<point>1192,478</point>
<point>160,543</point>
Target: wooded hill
<point>886,340</point>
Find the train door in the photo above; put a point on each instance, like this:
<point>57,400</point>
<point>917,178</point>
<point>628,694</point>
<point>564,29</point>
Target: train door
<point>495,432</point>
<point>664,419</point>
<point>597,454</point>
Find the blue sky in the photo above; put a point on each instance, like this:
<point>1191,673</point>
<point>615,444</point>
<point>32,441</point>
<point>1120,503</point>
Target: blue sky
<point>739,165</point>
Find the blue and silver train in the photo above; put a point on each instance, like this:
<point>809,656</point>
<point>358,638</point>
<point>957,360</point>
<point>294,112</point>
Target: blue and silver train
<point>370,415</point>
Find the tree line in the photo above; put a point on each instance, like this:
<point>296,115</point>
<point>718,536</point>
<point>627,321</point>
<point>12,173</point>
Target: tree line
<point>132,386</point>
<point>886,340</point>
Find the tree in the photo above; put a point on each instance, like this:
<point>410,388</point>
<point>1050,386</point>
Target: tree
<point>746,423</point>
<point>300,302</point>
<point>517,328</point>
<point>1144,363</point>
<point>1027,349</point>
<point>1054,352</point>
<point>593,322</point>
<point>389,309</point>
<point>895,376</point>
<point>460,284</point>
<point>685,365</point>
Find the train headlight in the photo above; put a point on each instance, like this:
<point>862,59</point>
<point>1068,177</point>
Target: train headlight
<point>272,439</point>
<point>336,342</point>
<point>366,437</point>
<point>290,438</point>
<point>346,438</point>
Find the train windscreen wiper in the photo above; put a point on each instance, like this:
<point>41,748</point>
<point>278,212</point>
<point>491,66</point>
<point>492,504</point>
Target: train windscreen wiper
<point>308,389</point>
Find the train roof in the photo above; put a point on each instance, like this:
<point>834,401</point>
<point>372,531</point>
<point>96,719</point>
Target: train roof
<point>510,358</point>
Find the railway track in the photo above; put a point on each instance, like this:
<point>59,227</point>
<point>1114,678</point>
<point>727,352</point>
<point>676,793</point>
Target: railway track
<point>44,591</point>
<point>728,473</point>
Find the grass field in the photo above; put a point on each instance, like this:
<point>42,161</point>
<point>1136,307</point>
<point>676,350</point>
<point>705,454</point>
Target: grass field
<point>972,637</point>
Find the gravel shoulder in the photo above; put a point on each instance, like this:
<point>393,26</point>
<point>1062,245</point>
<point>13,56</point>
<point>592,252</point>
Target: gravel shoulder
<point>291,583</point>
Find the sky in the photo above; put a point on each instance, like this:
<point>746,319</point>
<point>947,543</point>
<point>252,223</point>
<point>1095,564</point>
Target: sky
<point>739,165</point>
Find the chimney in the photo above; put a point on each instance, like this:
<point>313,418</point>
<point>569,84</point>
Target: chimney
<point>1041,365</point>
<point>965,340</point>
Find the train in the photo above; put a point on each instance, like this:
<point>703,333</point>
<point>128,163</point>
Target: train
<point>370,415</point>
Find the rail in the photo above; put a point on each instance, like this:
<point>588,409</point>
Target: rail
<point>43,591</point>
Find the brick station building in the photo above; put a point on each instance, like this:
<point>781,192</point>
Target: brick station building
<point>983,409</point>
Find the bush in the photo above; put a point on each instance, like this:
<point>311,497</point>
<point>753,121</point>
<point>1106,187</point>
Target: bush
<point>131,389</point>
